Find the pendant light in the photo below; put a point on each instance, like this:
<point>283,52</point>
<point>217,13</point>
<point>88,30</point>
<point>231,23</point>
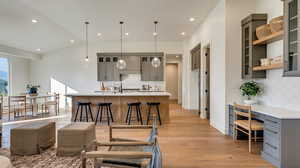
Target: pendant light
<point>155,61</point>
<point>86,42</point>
<point>121,64</point>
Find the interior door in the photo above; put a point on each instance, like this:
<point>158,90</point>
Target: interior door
<point>207,83</point>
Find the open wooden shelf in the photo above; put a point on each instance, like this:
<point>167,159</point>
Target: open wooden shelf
<point>269,39</point>
<point>274,66</point>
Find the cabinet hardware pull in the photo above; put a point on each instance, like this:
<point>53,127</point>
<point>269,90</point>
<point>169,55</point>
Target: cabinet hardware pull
<point>274,132</point>
<point>272,146</point>
<point>272,121</point>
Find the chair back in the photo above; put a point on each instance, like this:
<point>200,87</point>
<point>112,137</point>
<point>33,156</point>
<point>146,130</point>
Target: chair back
<point>17,100</point>
<point>242,111</point>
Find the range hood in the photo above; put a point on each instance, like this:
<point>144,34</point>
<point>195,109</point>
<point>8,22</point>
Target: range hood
<point>133,65</point>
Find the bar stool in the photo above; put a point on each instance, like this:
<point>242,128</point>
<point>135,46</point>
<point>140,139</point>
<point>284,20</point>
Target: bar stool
<point>107,107</point>
<point>155,104</point>
<point>137,106</point>
<point>87,106</point>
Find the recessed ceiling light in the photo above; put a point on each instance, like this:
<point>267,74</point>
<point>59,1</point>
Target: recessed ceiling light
<point>38,49</point>
<point>192,19</point>
<point>72,41</point>
<point>99,34</point>
<point>154,34</point>
<point>34,21</point>
<point>183,33</point>
<point>126,34</point>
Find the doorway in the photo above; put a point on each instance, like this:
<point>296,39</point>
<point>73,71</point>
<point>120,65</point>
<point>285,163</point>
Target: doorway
<point>207,81</point>
<point>172,80</point>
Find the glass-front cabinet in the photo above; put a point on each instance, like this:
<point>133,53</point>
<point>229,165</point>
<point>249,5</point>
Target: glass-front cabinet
<point>251,54</point>
<point>291,36</point>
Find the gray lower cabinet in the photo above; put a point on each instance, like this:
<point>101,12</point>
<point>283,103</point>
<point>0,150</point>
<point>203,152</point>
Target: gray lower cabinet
<point>150,73</point>
<point>281,139</point>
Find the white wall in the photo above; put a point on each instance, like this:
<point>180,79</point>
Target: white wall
<point>236,11</point>
<point>172,75</point>
<point>68,67</point>
<point>212,32</point>
<point>278,91</point>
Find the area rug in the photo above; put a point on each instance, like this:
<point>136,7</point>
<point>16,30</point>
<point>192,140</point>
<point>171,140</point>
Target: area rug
<point>47,159</point>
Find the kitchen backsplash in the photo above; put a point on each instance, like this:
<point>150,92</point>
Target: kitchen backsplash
<point>133,81</point>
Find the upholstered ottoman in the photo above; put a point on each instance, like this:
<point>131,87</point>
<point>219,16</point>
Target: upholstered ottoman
<point>32,138</point>
<point>5,162</point>
<point>74,138</point>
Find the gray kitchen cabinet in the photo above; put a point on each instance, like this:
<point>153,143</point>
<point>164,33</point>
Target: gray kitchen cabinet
<point>107,70</point>
<point>145,69</point>
<point>150,73</point>
<point>101,69</point>
<point>291,38</point>
<point>137,63</point>
<point>252,54</point>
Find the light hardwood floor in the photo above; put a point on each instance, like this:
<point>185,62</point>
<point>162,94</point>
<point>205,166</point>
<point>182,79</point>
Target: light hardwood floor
<point>186,142</point>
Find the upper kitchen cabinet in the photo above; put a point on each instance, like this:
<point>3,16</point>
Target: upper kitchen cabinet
<point>291,38</point>
<point>107,70</point>
<point>252,54</point>
<point>150,73</point>
<point>196,57</point>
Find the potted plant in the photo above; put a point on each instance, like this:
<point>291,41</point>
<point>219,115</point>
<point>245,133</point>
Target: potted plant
<point>250,89</point>
<point>32,90</point>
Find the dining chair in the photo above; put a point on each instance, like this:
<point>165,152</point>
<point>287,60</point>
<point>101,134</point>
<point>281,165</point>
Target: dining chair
<point>51,101</point>
<point>243,121</point>
<point>18,105</point>
<point>127,152</point>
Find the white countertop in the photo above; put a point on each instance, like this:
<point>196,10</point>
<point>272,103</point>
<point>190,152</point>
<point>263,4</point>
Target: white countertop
<point>276,112</point>
<point>119,94</point>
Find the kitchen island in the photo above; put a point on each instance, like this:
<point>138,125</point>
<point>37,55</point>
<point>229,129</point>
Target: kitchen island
<point>119,103</point>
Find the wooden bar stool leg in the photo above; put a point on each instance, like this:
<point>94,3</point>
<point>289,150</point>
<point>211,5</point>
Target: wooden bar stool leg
<point>112,118</point>
<point>158,113</point>
<point>91,113</point>
<point>97,115</point>
<point>149,112</point>
<point>75,114</point>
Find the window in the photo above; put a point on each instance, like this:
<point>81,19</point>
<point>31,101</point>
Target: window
<point>4,76</point>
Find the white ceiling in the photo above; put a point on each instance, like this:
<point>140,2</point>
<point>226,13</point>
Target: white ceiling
<point>59,21</point>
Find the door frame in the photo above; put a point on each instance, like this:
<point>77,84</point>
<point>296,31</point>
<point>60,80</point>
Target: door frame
<point>206,83</point>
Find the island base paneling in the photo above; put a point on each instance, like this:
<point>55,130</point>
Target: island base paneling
<point>119,106</point>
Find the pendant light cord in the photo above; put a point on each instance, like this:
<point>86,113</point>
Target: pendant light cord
<point>121,38</point>
<point>86,40</point>
<point>155,37</point>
